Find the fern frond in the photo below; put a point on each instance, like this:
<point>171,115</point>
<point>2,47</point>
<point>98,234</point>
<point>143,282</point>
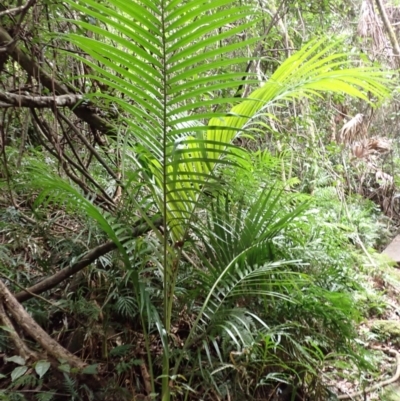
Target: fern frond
<point>71,386</point>
<point>46,396</point>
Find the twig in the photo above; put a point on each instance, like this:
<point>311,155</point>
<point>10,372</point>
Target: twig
<point>15,10</point>
<point>88,145</point>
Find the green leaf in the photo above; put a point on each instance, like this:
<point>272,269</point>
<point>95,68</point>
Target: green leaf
<point>64,368</point>
<point>41,368</point>
<point>91,369</point>
<point>8,329</point>
<point>18,372</point>
<point>16,359</point>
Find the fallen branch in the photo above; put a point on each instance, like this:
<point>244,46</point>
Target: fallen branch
<point>28,324</point>
<point>20,346</point>
<point>50,282</point>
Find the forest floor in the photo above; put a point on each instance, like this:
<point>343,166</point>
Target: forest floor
<point>379,335</point>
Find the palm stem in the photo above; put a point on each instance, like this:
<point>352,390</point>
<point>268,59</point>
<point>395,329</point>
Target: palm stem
<point>167,285</point>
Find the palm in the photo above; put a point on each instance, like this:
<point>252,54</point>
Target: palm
<point>165,62</point>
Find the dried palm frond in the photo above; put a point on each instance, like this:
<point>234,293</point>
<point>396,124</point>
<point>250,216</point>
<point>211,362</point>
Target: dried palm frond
<point>380,145</point>
<point>385,192</point>
<point>370,147</point>
<point>359,151</point>
<point>370,26</point>
<point>373,182</point>
<point>353,130</point>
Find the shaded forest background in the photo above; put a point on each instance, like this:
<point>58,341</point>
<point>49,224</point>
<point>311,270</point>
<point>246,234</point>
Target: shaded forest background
<point>194,198</point>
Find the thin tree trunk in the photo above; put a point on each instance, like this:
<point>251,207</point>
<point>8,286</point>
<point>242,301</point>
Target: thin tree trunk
<point>389,30</point>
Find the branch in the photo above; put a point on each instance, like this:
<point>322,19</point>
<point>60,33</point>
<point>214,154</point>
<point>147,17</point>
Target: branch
<point>90,257</point>
<point>25,320</point>
<point>69,165</point>
<point>15,100</point>
<point>16,10</point>
<point>20,346</point>
<point>33,69</point>
<point>88,145</point>
<point>50,282</point>
<point>4,105</point>
<point>379,385</point>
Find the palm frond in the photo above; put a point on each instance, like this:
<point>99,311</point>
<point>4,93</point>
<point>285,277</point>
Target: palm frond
<point>236,232</point>
<point>170,59</point>
<point>307,73</point>
<point>56,189</point>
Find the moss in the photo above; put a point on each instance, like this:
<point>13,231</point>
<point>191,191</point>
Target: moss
<point>393,277</point>
<point>387,328</point>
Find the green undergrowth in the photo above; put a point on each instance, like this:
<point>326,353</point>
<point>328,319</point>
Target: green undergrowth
<point>287,320</point>
<point>288,312</point>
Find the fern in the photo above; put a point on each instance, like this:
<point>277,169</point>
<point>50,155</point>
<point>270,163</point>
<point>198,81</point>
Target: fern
<point>12,396</point>
<point>25,380</point>
<point>125,366</point>
<point>45,396</point>
<point>121,350</point>
<point>71,387</point>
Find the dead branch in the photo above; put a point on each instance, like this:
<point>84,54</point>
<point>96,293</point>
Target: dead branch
<point>20,346</point>
<point>52,281</point>
<point>16,10</point>
<point>28,324</point>
<point>88,145</point>
<point>69,165</point>
<point>12,99</point>
<point>379,385</point>
<point>83,112</point>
